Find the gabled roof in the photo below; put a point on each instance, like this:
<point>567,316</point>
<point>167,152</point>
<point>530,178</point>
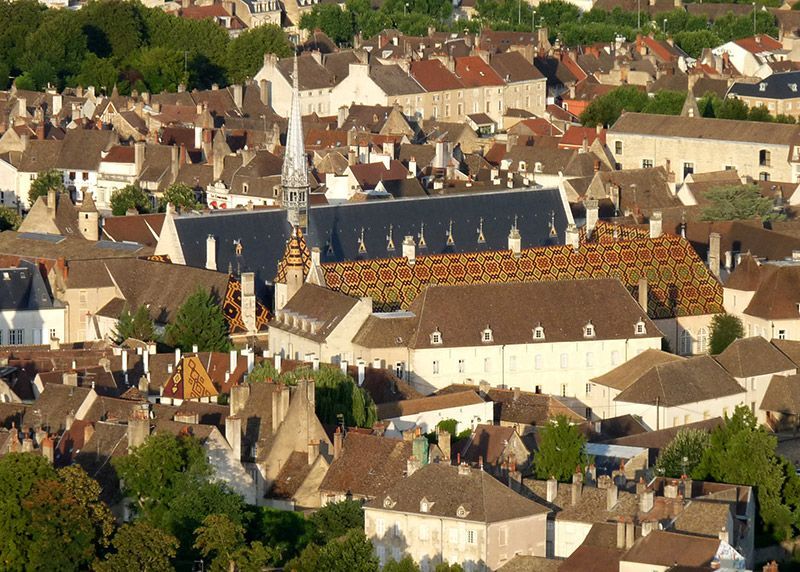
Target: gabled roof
<point>80,149</point>
<point>324,307</point>
<point>432,75</point>
<point>488,444</point>
<point>681,382</point>
<point>776,86</point>
<point>473,71</point>
<point>778,293</point>
<point>782,395</point>
<point>749,357</point>
<point>664,548</point>
<point>513,67</point>
<point>429,403</point>
<point>481,497</point>
<point>190,380</point>
<point>759,44</point>
<point>623,376</point>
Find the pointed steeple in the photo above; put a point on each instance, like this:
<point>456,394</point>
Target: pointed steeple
<point>294,177</point>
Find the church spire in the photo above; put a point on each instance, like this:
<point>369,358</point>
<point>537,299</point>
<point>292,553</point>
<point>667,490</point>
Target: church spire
<point>294,178</point>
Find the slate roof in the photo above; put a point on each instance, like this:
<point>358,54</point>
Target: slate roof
<point>336,229</point>
<point>782,395</point>
<point>681,382</point>
<point>622,376</point>
<point>24,288</point>
<point>446,489</point>
<point>753,356</point>
<point>776,86</point>
<point>368,465</point>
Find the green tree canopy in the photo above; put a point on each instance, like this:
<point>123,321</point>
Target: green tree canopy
<point>683,454</point>
<point>742,452</point>
<point>335,22</point>
<point>44,182</point>
<point>222,538</point>
<point>336,519</point>
<point>738,202</point>
<point>200,322</point>
<point>138,326</point>
<point>352,552</point>
<point>606,109</point>
<point>180,195</point>
<point>127,198</point>
<point>140,546</point>
<point>246,51</point>
<point>725,329</point>
<point>10,219</point>
<point>407,564</point>
<point>561,450</point>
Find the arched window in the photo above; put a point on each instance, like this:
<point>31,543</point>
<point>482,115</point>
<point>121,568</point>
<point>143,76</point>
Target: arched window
<point>685,343</point>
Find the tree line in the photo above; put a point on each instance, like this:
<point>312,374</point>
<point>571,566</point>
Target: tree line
<point>123,43</point>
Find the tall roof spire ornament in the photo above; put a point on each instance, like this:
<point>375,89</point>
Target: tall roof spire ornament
<point>294,176</point>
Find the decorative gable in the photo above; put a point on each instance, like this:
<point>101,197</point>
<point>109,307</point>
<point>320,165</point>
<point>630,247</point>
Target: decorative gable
<point>190,380</point>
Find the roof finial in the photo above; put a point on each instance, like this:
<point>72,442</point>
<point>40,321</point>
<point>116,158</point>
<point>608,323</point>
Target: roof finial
<point>422,243</point>
<point>450,240</point>
<point>362,247</point>
<point>390,238</point>
<point>481,238</point>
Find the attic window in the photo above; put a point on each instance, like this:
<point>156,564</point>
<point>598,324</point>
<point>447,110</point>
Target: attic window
<point>486,335</point>
<point>538,332</point>
<point>388,502</point>
<point>640,328</point>
<point>461,512</point>
<point>588,330</point>
<point>245,188</point>
<point>762,86</point>
<point>793,87</point>
<point>523,166</point>
<point>424,505</point>
<point>436,337</point>
<point>6,276</point>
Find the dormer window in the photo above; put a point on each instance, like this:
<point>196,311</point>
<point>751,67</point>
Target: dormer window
<point>425,505</point>
<point>588,330</point>
<point>436,337</point>
<point>486,335</point>
<point>538,332</point>
<point>245,188</point>
<point>640,328</point>
<point>462,512</point>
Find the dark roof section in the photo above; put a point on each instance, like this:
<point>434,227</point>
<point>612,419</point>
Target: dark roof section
<point>782,395</point>
<point>776,86</point>
<point>24,288</point>
<point>622,376</point>
<point>326,307</point>
<point>754,356</point>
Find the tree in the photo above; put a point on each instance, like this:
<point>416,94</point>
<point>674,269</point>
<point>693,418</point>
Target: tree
<point>407,564</point>
<point>199,322</point>
<point>161,68</point>
<point>246,51</point>
<point>725,329</point>
<point>332,20</point>
<point>695,41</point>
<point>289,532</point>
<point>683,454</point>
<point>55,50</point>
<point>731,108</point>
<point>180,195</point>
<point>128,198</point>
<point>306,561</point>
<point>351,553</point>
<point>9,219</point>
<point>44,182</point>
<point>759,113</point>
<point>665,102</point>
<point>337,519</point>
<point>140,546</point>
<point>738,202</point>
<point>137,326</point>
<point>222,538</point>
<point>742,452</point>
<point>607,108</point>
<point>561,450</point>
<point>445,567</point>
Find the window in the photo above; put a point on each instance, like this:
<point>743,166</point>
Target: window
<point>589,359</point>
<point>471,537</point>
<point>538,390</point>
<point>763,176</point>
<point>764,158</point>
<point>781,334</point>
<point>538,333</point>
<point>564,361</point>
<point>685,343</point>
<point>487,365</point>
<point>461,366</point>
<point>486,335</point>
<point>640,329</point>
<point>588,330</point>
<point>53,333</point>
<point>245,188</point>
<point>381,550</point>
<point>380,527</point>
<point>512,363</point>
<point>16,337</point>
<point>85,176</point>
<point>435,367</point>
<point>617,147</point>
<point>436,337</point>
<point>503,536</point>
<point>702,341</point>
<point>688,169</point>
<point>614,357</point>
<point>563,390</point>
<point>83,297</point>
<point>588,389</point>
<point>537,361</point>
<point>647,163</point>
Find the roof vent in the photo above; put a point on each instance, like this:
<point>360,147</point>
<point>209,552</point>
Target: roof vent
<point>793,87</point>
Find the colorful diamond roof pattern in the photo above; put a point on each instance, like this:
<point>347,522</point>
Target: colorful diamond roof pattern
<point>190,380</point>
<point>296,252</point>
<point>232,309</point>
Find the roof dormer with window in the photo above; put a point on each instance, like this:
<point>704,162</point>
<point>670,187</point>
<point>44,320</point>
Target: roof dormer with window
<point>425,505</point>
<point>436,337</point>
<point>588,330</point>
<point>538,333</point>
<point>640,328</point>
<point>486,335</point>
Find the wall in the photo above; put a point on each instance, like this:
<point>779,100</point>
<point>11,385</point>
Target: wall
<point>528,95</point>
<point>227,468</point>
<point>687,335</point>
<point>467,416</point>
<point>37,325</point>
<point>681,414</point>
<point>82,303</point>
<point>520,536</point>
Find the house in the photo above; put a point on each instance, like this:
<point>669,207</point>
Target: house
<point>754,362</point>
<point>526,410</point>
<point>777,92</point>
<point>753,56</point>
<point>685,145</point>
<point>80,157</point>
<point>467,408</point>
<point>699,388</point>
<point>481,527</point>
<point>496,449</point>
<point>55,214</point>
<point>661,551</point>
<point>29,313</point>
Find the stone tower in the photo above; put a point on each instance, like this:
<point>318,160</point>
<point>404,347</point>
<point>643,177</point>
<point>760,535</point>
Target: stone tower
<point>89,219</point>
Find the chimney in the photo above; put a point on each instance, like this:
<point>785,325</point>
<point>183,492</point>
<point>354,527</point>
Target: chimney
<point>313,451</point>
<point>70,419</point>
<point>238,95</point>
<point>443,438</point>
<point>362,373</point>
<point>47,449</point>
<point>655,224</point>
<point>646,500</point>
<point>630,534</point>
<point>138,426</point>
<point>239,396</point>
<point>341,116</point>
<point>277,362</point>
<point>211,252</point>
<point>577,488</point>
<point>70,378</point>
<point>174,155</point>
<point>572,237</point>
<point>714,253</point>
<point>144,385</point>
<point>620,534</point>
<point>51,203</point>
<point>58,102</point>
<point>552,489</point>
<point>138,156</point>
<point>671,490</point>
<point>55,343</point>
<point>412,464</point>
<point>687,487</point>
<point>410,249</point>
<point>233,434</point>
<point>643,293</point>
<point>515,242</point>
<point>249,301</point>
<point>337,443</point>
<point>612,494</point>
<point>40,131</point>
<point>146,362</point>
<point>177,355</point>
<point>592,215</point>
<point>412,168</point>
<point>234,359</point>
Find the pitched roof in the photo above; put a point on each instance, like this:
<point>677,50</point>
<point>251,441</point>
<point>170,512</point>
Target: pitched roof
<point>759,44</point>
<point>325,307</point>
<point>778,293</point>
<point>473,71</point>
<point>704,128</point>
<point>749,357</point>
<point>368,465</point>
<point>190,380</point>
<point>782,395</point>
<point>429,403</point>
<point>488,443</point>
<point>681,382</point>
<point>393,80</point>
<point>592,506</point>
<point>447,488</point>
<point>776,86</point>
<point>525,407</point>
<point>81,149</point>
<point>669,548</point>
<point>432,75</point>
<point>746,276</point>
<point>512,67</point>
<point>624,375</point>
<point>662,437</point>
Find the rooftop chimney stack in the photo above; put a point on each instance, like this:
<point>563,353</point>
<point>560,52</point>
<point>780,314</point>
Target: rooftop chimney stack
<point>655,224</point>
<point>410,249</point>
<point>211,252</point>
<point>572,237</point>
<point>643,295</point>
<point>552,489</point>
<point>233,434</point>
<point>714,253</point>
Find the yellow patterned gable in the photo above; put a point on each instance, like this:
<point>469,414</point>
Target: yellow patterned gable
<point>190,380</point>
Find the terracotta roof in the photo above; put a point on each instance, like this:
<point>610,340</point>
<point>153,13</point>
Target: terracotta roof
<point>120,154</point>
<point>448,488</point>
<point>368,465</point>
<point>592,506</point>
<point>488,443</point>
<point>574,137</point>
<point>746,276</point>
<point>291,476</point>
<point>432,75</point>
<point>369,175</point>
<point>754,356</point>
<point>474,72</point>
<point>759,44</point>
<point>668,549</point>
<point>623,376</point>
<point>430,403</point>
<point>790,348</point>
<point>661,438</point>
<point>385,330</point>
<point>778,293</point>
<point>681,382</point>
<point>528,408</point>
<point>143,229</point>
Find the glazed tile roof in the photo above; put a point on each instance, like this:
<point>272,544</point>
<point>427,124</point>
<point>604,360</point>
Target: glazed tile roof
<point>190,381</point>
<point>679,284</point>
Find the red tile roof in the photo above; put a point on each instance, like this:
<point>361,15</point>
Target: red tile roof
<point>573,138</point>
<point>474,72</point>
<point>120,154</point>
<point>434,76</point>
<point>759,43</point>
